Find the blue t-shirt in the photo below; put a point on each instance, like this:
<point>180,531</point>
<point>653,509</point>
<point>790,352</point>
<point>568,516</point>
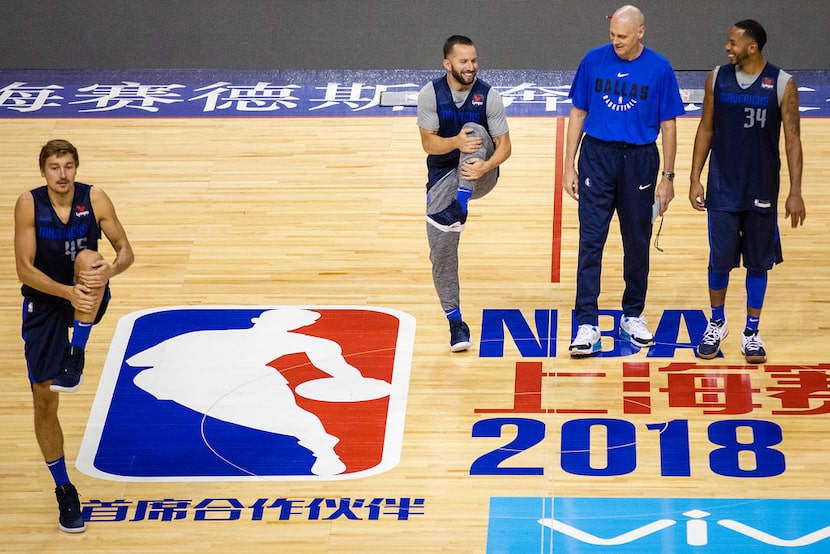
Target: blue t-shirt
<point>626,100</point>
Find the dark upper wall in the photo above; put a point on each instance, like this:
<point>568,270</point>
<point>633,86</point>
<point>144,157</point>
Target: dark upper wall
<point>391,34</point>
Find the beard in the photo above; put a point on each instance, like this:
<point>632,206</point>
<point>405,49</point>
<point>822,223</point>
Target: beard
<point>461,79</point>
<point>740,57</point>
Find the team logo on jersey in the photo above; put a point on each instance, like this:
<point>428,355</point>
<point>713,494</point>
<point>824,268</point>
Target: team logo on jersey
<point>619,95</point>
<point>602,525</point>
<point>478,100</point>
<point>766,82</point>
<point>260,393</point>
<point>619,103</point>
<point>81,211</point>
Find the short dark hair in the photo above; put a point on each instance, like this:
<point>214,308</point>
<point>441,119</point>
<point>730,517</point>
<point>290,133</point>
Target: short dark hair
<point>754,31</point>
<point>57,147</point>
<point>450,43</point>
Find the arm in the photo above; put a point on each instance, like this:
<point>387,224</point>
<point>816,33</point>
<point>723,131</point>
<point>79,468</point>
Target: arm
<point>474,168</point>
<point>665,190</point>
<point>327,355</point>
<point>433,144</point>
<point>25,247</point>
<point>791,122</point>
<point>428,123</point>
<point>503,150</point>
<point>703,140</point>
<point>104,210</point>
<point>574,135</point>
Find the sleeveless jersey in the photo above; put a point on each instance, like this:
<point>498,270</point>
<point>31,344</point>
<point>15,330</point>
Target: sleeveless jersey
<point>59,242</point>
<point>451,118</point>
<point>745,164</point>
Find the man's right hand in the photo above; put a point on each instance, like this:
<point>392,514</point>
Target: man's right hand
<point>468,144</point>
<point>570,182</point>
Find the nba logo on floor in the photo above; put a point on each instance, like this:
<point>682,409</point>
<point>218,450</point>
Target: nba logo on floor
<point>229,393</point>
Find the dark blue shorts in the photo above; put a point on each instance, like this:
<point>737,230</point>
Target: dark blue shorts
<point>46,323</point>
<point>751,236</point>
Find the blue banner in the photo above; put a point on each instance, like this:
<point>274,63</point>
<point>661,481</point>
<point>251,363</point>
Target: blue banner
<point>301,93</point>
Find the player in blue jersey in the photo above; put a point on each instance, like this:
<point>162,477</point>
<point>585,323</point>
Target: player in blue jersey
<point>465,134</point>
<point>745,104</point>
<point>65,284</point>
<point>624,95</point>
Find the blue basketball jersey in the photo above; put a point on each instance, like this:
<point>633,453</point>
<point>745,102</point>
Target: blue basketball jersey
<point>451,119</point>
<point>57,242</point>
<point>745,164</point>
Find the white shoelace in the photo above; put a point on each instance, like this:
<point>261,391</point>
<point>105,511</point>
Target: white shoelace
<point>712,334</point>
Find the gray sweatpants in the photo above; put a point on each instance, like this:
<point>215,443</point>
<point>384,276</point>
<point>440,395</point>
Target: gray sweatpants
<point>443,246</point>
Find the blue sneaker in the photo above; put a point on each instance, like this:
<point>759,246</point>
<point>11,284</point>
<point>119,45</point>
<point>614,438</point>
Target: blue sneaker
<point>450,220</point>
<point>709,345</point>
<point>72,368</point>
<point>459,336</point>
<point>70,519</point>
<point>587,341</point>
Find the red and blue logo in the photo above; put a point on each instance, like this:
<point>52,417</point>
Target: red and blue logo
<point>235,393</point>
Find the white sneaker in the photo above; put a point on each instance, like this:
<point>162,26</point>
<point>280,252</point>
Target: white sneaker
<point>587,341</point>
<point>634,329</point>
<point>716,331</point>
<point>752,347</point>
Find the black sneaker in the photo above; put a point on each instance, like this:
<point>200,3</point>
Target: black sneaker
<point>72,368</point>
<point>70,519</point>
<point>450,219</point>
<point>459,336</point>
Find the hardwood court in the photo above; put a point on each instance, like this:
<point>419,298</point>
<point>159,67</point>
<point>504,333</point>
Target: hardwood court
<point>322,212</point>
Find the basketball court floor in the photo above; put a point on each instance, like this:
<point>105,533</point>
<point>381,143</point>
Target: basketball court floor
<point>274,372</point>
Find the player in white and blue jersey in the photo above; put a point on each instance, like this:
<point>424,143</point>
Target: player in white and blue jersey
<point>746,102</point>
<point>624,95</point>
<point>65,284</point>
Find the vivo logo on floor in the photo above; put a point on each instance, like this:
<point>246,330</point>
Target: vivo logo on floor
<point>636,525</point>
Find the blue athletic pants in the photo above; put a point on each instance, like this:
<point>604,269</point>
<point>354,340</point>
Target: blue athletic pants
<point>614,177</point>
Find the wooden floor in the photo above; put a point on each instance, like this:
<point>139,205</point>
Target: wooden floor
<point>323,212</point>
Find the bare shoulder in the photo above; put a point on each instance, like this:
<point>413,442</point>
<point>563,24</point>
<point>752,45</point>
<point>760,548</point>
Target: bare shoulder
<point>96,192</point>
<point>101,204</point>
<point>791,87</point>
<point>98,196</point>
<point>24,202</point>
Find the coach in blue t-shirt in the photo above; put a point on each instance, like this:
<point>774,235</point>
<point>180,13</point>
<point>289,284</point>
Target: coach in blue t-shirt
<point>624,95</point>
<point>745,104</point>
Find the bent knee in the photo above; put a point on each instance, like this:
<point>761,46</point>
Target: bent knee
<point>476,127</point>
<point>86,259</point>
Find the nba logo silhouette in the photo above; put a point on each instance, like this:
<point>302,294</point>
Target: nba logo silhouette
<point>229,393</point>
